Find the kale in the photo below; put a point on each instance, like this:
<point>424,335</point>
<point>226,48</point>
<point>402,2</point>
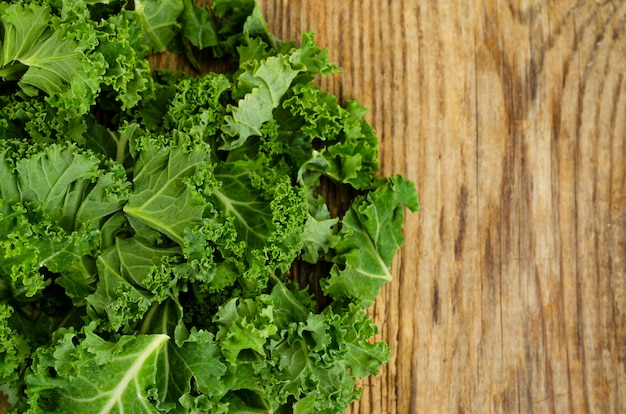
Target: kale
<point>149,220</point>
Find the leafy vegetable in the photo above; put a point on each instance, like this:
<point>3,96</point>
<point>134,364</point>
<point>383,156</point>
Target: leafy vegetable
<point>95,375</point>
<point>44,53</point>
<point>151,222</point>
<point>367,242</point>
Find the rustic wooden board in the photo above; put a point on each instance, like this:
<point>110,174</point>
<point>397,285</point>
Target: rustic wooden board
<point>510,294</point>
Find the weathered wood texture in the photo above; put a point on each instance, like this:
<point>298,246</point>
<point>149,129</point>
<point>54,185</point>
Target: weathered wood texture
<point>510,294</point>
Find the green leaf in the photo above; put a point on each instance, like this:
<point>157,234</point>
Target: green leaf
<point>31,242</point>
<point>290,305</point>
<point>318,230</point>
<point>240,198</point>
<point>266,214</point>
<point>127,74</point>
<point>244,329</point>
<point>40,121</point>
<point>198,26</point>
<point>346,146</point>
<point>196,107</point>
<point>14,349</point>
<point>370,235</point>
<point>196,367</point>
<point>44,55</point>
<point>133,274</point>
<point>163,196</point>
<point>233,14</point>
<point>321,357</point>
<point>260,89</point>
<point>95,376</point>
<point>71,185</point>
<point>9,190</point>
<point>156,23</point>
<point>56,179</point>
<point>189,364</point>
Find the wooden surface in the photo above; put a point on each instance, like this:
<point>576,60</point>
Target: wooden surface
<point>510,294</point>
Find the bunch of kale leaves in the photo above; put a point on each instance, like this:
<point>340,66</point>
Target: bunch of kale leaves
<point>149,219</point>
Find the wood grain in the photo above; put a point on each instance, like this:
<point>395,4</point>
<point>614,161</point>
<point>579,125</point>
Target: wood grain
<point>510,293</point>
<point>510,116</point>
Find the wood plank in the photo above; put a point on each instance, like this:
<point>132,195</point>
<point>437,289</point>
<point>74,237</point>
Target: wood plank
<point>510,294</point>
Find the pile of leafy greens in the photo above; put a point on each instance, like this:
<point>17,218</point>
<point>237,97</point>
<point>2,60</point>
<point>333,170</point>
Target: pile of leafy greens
<point>151,221</point>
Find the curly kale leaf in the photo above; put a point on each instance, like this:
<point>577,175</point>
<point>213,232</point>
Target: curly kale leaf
<point>328,139</point>
<point>83,373</point>
<point>196,108</point>
<point>45,53</point>
<point>190,365</point>
<point>164,177</point>
<point>262,81</point>
<point>133,274</point>
<point>259,91</point>
<point>30,242</point>
<point>15,352</point>
<point>245,217</point>
<point>198,25</point>
<point>37,120</point>
<point>154,24</point>
<point>281,354</point>
<point>14,348</point>
<point>55,201</point>
<point>370,235</point>
<point>258,205</point>
<point>71,185</point>
<point>127,80</point>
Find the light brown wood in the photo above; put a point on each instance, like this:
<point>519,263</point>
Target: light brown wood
<point>510,116</point>
<point>510,294</point>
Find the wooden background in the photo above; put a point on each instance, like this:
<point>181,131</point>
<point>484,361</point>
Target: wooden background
<point>510,116</point>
